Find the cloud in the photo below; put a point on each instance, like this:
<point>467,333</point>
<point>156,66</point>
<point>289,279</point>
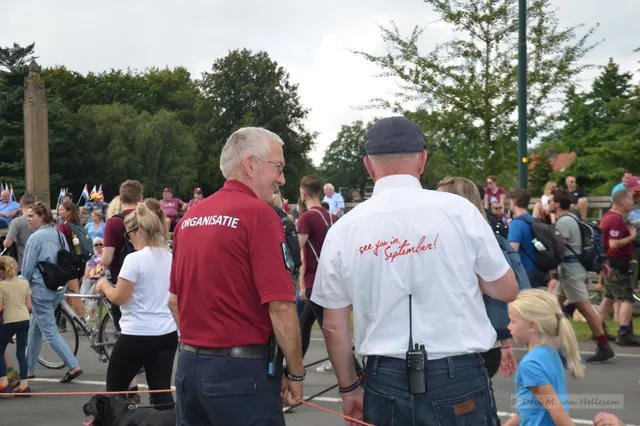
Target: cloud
<point>310,39</point>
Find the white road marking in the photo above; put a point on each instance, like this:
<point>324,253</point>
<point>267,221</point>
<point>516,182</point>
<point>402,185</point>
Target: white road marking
<point>618,354</point>
<point>318,399</point>
<point>85,382</point>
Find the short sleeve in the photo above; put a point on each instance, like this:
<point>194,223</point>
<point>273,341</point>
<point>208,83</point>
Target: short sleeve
<point>617,230</point>
<point>12,233</point>
<point>490,263</point>
<point>111,237</point>
<point>130,268</point>
<point>27,287</point>
<point>533,373</point>
<point>501,191</point>
<point>329,289</point>
<point>66,231</point>
<point>562,225</point>
<point>515,231</point>
<point>268,255</point>
<point>304,227</point>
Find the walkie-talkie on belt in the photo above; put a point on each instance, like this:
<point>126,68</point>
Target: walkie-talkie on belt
<point>416,363</point>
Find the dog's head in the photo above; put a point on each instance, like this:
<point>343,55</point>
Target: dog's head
<point>103,410</point>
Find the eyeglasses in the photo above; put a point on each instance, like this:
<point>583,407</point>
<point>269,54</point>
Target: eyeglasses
<point>97,245</point>
<point>279,167</point>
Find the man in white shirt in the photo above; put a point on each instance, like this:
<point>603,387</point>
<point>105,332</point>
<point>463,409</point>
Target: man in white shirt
<point>334,199</point>
<point>405,241</point>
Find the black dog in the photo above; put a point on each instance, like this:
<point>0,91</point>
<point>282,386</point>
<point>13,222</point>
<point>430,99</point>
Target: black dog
<point>114,410</point>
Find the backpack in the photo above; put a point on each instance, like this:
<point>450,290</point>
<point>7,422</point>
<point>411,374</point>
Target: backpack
<point>548,256</point>
<point>291,239</point>
<point>86,243</point>
<point>326,229</point>
<point>593,252</point>
<point>56,275</point>
<point>127,247</point>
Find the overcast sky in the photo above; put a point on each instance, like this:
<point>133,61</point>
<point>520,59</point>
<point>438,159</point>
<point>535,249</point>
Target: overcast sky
<point>310,39</point>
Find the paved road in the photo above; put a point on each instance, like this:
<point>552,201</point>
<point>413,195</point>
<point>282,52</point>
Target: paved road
<point>619,377</point>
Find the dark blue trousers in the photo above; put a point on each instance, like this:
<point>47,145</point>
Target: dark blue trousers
<point>458,393</point>
<point>222,391</point>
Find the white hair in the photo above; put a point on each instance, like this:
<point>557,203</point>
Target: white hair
<point>329,186</point>
<point>243,142</point>
<point>7,193</point>
<point>97,240</point>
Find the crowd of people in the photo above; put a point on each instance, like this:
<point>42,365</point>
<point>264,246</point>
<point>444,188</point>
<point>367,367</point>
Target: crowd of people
<point>246,276</point>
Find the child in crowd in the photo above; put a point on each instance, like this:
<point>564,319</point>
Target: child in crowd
<point>15,304</point>
<point>536,320</point>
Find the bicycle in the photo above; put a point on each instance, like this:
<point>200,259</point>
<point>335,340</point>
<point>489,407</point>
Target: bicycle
<point>102,334</point>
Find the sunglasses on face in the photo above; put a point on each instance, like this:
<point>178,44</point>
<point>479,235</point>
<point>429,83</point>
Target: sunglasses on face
<point>128,234</point>
<point>97,245</point>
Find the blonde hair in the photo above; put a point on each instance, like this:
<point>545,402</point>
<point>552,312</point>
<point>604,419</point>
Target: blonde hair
<point>155,206</point>
<point>9,266</point>
<point>542,308</point>
<point>98,214</point>
<point>146,219</point>
<point>115,207</point>
<point>548,188</point>
<point>464,188</point>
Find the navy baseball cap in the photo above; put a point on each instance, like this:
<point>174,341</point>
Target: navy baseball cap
<point>394,135</point>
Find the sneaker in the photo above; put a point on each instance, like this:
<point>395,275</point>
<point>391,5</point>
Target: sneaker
<point>6,389</point>
<point>603,353</point>
<point>325,367</point>
<point>627,339</point>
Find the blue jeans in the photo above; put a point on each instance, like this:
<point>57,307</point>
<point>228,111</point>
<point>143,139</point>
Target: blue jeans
<point>43,323</point>
<point>458,393</point>
<point>223,391</point>
<point>21,330</point>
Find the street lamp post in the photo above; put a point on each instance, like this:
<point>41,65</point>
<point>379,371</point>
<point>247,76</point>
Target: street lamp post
<point>523,161</point>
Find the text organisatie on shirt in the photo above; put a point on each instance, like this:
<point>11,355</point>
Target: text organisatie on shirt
<point>393,248</point>
<point>231,222</point>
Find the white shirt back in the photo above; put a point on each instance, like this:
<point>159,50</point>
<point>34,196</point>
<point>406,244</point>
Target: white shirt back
<point>405,240</point>
<point>147,313</point>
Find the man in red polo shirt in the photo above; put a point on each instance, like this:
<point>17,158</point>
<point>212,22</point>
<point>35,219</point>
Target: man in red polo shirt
<point>618,241</point>
<point>231,292</point>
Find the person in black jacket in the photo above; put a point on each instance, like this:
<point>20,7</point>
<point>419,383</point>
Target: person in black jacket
<point>494,220</point>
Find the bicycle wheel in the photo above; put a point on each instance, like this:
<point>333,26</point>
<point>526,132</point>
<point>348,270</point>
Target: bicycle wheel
<point>48,356</point>
<point>108,335</point>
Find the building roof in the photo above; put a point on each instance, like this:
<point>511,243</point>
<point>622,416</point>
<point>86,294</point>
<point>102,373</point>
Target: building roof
<point>559,162</point>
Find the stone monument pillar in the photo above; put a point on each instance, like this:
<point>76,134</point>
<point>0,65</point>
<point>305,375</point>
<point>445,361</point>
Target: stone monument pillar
<point>36,136</point>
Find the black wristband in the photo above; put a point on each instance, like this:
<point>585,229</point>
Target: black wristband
<point>351,388</point>
<point>293,377</point>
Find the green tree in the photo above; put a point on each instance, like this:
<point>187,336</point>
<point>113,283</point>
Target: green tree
<point>343,164</point>
<point>17,56</point>
<point>471,81</point>
<point>12,127</point>
<point>250,89</point>
<point>540,174</point>
<point>594,124</point>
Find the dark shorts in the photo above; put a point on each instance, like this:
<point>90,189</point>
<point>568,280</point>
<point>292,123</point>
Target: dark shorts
<point>619,286</point>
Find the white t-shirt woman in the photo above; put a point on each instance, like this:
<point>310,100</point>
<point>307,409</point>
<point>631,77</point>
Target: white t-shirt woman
<point>146,313</point>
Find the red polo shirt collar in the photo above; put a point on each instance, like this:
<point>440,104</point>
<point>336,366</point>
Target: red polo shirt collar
<point>234,185</point>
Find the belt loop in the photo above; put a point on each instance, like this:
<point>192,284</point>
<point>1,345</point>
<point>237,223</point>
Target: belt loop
<point>374,368</point>
<point>451,371</point>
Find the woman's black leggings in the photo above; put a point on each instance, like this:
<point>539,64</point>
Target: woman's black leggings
<point>307,319</point>
<point>154,353</point>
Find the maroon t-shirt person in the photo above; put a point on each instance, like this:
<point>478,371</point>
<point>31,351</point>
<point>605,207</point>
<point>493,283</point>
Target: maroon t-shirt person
<point>313,223</point>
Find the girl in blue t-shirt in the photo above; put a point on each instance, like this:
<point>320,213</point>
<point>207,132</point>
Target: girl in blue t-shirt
<point>536,320</point>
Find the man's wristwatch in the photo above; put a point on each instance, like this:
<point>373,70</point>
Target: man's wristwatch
<point>293,377</point>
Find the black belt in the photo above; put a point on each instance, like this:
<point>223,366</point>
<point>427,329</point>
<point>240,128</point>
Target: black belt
<point>248,352</point>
